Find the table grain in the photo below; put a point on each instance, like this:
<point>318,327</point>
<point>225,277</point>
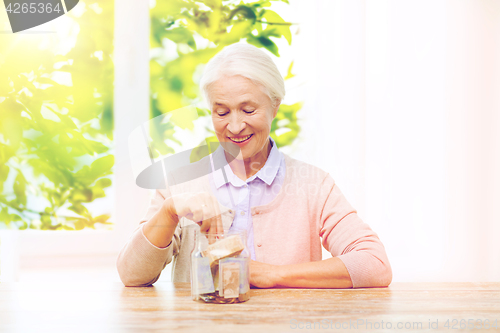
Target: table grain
<point>165,307</point>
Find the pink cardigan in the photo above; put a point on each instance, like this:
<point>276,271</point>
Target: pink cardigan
<point>309,211</point>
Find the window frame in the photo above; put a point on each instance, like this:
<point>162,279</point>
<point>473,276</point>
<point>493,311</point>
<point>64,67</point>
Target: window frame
<point>131,107</point>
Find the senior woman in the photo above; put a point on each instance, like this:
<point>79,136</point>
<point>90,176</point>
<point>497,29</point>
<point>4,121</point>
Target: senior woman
<point>288,208</point>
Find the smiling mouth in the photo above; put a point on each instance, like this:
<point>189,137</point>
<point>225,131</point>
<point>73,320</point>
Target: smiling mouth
<point>242,139</point>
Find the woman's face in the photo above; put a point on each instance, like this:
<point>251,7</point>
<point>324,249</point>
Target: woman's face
<point>242,115</point>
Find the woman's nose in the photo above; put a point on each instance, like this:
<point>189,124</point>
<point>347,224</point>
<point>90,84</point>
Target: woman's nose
<point>236,124</point>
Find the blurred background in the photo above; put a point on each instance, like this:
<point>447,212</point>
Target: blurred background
<point>398,100</point>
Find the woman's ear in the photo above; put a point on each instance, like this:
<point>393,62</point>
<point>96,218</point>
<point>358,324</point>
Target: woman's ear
<point>277,104</point>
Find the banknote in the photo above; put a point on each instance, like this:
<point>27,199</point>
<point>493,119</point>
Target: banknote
<point>230,278</point>
<point>202,276</point>
<point>244,285</point>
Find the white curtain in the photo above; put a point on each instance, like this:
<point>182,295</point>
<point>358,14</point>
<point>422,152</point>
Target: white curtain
<point>402,107</point>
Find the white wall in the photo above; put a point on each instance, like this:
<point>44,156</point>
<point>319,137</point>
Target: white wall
<point>403,109</point>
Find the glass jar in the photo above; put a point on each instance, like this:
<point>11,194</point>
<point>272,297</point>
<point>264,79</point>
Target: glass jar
<point>220,267</point>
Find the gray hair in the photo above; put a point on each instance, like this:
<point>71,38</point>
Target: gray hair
<point>248,61</point>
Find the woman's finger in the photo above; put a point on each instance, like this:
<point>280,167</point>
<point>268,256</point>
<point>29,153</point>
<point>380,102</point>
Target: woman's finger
<point>213,232</point>
<point>218,218</point>
<point>205,222</point>
<point>216,227</point>
<point>203,209</point>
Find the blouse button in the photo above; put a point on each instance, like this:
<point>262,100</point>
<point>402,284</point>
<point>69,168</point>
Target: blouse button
<point>242,213</point>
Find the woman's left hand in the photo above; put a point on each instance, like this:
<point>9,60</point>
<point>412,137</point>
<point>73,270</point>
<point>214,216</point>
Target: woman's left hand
<point>263,275</point>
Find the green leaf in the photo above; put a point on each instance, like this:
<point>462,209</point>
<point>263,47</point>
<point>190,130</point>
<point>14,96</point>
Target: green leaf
<point>46,222</point>
<point>181,35</point>
<point>102,218</point>
<point>243,12</point>
<point>82,195</point>
<point>79,225</point>
<point>67,121</point>
<point>21,224</point>
<point>238,31</point>
<point>289,74</point>
<point>5,216</point>
<point>56,176</point>
<point>11,128</point>
<point>202,112</point>
<point>184,117</point>
<point>98,192</point>
<point>276,26</point>
<point>20,189</point>
<point>263,41</point>
<point>96,147</point>
<point>171,7</point>
<point>206,147</point>
<point>101,167</point>
<point>89,223</point>
<point>106,120</point>
<point>291,127</point>
<point>79,209</point>
<point>4,173</point>
<point>5,153</point>
<point>103,182</point>
<point>213,3</point>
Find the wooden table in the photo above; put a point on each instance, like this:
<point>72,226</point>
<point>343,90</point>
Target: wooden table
<point>110,307</point>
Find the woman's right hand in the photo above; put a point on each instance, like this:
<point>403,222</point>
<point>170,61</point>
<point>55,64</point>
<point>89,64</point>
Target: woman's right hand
<point>201,207</point>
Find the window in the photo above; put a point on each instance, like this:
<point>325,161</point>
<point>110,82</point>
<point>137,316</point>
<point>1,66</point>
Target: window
<point>56,132</point>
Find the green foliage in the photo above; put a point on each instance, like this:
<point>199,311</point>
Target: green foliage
<point>186,34</point>
<point>56,122</point>
<point>285,128</point>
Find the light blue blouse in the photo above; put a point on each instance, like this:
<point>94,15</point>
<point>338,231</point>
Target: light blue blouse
<point>241,196</point>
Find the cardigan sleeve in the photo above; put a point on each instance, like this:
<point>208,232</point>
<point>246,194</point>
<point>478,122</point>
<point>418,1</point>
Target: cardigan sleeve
<point>140,262</point>
<point>347,237</point>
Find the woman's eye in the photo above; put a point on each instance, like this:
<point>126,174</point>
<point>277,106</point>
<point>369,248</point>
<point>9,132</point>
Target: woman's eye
<point>222,113</point>
<point>249,110</point>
